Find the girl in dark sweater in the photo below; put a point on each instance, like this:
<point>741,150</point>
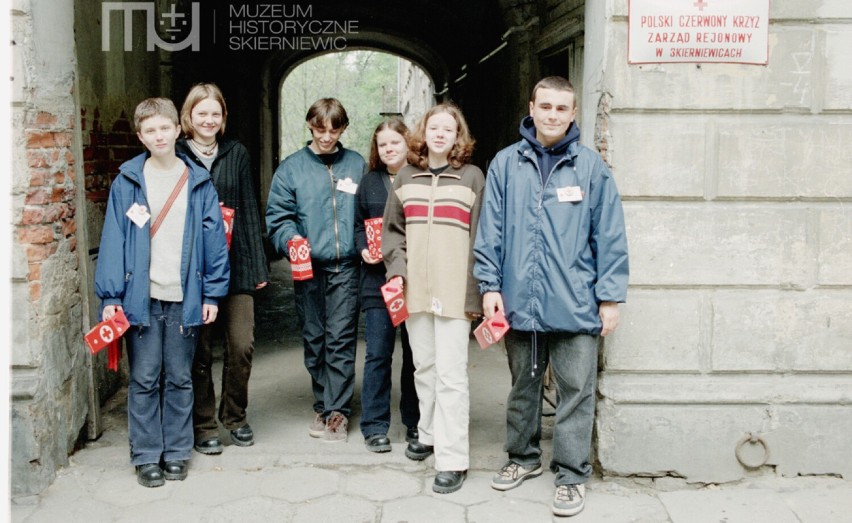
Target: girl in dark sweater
<point>388,154</point>
<point>203,119</point>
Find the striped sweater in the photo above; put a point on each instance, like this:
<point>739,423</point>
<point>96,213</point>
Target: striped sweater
<point>427,238</point>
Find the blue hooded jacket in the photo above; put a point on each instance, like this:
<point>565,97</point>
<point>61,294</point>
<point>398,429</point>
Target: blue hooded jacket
<point>122,272</point>
<point>553,260</point>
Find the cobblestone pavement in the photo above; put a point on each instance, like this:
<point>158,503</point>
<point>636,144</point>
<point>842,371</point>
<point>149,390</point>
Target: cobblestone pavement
<point>288,476</point>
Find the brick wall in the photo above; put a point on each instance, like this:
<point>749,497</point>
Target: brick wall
<point>105,148</point>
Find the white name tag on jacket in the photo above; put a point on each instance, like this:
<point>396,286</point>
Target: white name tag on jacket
<point>138,214</point>
<point>569,194</point>
<point>347,185</point>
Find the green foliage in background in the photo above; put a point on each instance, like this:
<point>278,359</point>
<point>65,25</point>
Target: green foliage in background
<point>356,78</point>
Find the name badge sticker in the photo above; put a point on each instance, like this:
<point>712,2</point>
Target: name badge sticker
<point>569,194</point>
<point>138,214</point>
<point>347,185</point>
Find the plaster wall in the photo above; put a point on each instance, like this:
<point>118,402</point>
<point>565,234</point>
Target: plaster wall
<point>736,186</point>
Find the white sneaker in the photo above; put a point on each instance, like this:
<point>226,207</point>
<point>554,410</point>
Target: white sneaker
<point>569,500</point>
<point>512,474</point>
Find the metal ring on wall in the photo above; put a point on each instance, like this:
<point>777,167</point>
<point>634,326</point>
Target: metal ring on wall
<point>753,439</point>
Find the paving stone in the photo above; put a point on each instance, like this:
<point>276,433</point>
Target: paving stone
<point>382,484</point>
<point>336,508</point>
<point>422,509</point>
<point>715,505</point>
<point>298,484</point>
<point>253,508</point>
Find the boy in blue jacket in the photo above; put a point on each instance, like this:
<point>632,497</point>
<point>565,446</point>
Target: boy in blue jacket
<point>551,252</point>
<point>164,263</point>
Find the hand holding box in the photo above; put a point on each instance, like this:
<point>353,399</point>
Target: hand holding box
<point>491,330</point>
<point>300,259</point>
<point>395,302</point>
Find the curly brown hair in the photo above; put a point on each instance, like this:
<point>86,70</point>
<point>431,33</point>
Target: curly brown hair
<point>460,154</point>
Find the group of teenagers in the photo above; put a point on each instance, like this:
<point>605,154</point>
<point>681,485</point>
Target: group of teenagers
<point>541,239</point>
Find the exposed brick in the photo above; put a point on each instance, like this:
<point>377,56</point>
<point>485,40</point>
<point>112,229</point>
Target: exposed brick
<point>39,177</point>
<point>39,139</point>
<point>37,159</point>
<point>38,196</point>
<point>33,216</point>
<point>69,158</point>
<point>34,272</point>
<point>35,291</point>
<point>72,244</point>
<point>45,120</point>
<point>37,253</point>
<point>52,213</point>
<point>69,227</point>
<point>63,139</point>
<point>71,173</point>
<point>40,234</point>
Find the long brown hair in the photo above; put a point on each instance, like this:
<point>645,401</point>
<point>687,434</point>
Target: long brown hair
<point>418,153</point>
<point>394,124</point>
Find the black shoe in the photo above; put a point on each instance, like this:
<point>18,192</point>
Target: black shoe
<point>243,436</point>
<point>412,434</point>
<point>418,451</point>
<point>209,446</point>
<point>150,475</point>
<point>175,470</point>
<point>449,481</point>
<point>378,443</point>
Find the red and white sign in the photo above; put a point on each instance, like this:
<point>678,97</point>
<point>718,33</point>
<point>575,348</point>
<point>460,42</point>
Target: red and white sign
<point>395,302</point>
<point>300,259</point>
<point>228,218</point>
<point>491,330</point>
<point>723,31</point>
<point>107,332</point>
<point>373,228</point>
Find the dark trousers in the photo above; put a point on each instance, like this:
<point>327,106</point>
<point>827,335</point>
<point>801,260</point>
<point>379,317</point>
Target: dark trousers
<point>574,359</point>
<point>159,394</point>
<point>234,327</point>
<point>376,383</point>
<point>327,306</point>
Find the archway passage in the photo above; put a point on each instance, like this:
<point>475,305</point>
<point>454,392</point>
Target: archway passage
<point>462,46</point>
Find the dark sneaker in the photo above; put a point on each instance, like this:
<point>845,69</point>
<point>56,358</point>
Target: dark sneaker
<point>150,475</point>
<point>209,446</point>
<point>418,451</point>
<point>569,499</point>
<point>175,470</point>
<point>317,427</point>
<point>243,436</point>
<point>336,428</point>
<point>449,481</point>
<point>378,443</point>
<point>513,474</point>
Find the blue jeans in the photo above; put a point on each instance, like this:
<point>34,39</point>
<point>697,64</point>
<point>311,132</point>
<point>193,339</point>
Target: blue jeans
<point>574,359</point>
<point>159,395</point>
<point>376,384</point>
<point>327,306</point>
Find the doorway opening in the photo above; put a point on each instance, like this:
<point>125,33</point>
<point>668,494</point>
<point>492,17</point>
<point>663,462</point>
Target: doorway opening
<point>371,85</point>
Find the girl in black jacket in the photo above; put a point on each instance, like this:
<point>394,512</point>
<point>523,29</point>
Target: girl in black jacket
<point>388,154</point>
<point>203,119</point>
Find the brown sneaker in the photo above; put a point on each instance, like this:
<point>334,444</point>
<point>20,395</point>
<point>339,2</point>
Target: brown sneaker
<point>317,427</point>
<point>335,428</point>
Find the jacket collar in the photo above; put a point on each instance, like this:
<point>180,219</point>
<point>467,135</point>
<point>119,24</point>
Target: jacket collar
<point>133,169</point>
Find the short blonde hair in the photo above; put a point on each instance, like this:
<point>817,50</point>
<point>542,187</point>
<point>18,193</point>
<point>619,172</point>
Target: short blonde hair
<point>198,93</point>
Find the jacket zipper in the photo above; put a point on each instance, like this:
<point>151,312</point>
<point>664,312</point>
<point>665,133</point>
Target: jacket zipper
<point>334,209</point>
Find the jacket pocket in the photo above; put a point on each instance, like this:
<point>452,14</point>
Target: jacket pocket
<point>578,289</point>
